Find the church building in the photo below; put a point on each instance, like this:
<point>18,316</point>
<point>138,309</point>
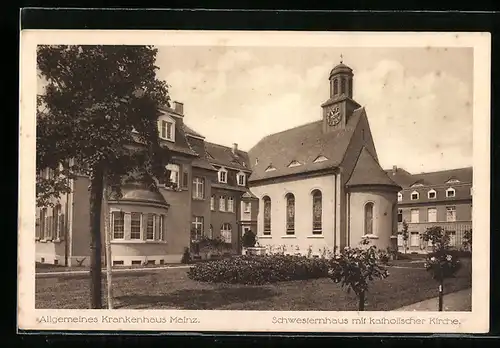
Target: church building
<point>320,185</point>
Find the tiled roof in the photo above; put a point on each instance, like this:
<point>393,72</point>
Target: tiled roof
<point>189,131</point>
<point>223,156</point>
<point>368,172</point>
<point>302,144</point>
<point>139,193</point>
<point>463,175</point>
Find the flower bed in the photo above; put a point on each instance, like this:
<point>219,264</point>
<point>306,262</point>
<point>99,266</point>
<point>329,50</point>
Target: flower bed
<point>257,270</point>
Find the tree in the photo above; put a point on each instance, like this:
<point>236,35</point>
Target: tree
<point>440,262</point>
<point>94,98</point>
<point>467,240</point>
<point>354,268</point>
<point>404,235</point>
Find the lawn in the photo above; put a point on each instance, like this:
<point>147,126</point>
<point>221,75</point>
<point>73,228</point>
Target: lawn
<point>172,289</point>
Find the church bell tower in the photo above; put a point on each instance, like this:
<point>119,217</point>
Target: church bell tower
<point>340,105</point>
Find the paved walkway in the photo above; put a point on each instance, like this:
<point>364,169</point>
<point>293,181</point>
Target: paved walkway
<point>454,302</point>
<point>117,270</point>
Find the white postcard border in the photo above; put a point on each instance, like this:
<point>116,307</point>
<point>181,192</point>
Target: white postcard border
<point>259,321</point>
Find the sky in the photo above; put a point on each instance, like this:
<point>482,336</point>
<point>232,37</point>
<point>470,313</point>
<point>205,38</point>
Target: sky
<point>418,100</point>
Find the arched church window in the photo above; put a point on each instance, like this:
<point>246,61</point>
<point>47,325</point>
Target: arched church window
<point>317,211</point>
<point>267,215</point>
<point>290,214</point>
<point>342,86</point>
<point>336,86</point>
<point>369,218</point>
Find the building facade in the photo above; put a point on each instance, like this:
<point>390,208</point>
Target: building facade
<point>320,185</point>
<point>206,194</point>
<point>442,198</point>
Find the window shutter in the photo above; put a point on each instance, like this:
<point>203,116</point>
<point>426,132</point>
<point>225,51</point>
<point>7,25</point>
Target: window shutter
<point>144,226</point>
<point>49,227</point>
<point>37,228</point>
<point>164,228</point>
<point>127,221</point>
<point>62,227</point>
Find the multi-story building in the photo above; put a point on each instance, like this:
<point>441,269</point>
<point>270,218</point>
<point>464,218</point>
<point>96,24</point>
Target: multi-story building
<point>442,198</point>
<point>206,194</point>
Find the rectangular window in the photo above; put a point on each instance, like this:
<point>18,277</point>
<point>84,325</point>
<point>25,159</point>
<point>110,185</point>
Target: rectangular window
<point>197,227</point>
<point>453,238</point>
<point>414,196</point>
<point>400,215</point>
<point>247,207</point>
<point>415,216</point>
<point>431,214</point>
<point>222,203</point>
<point>241,179</point>
<point>432,194</point>
<point>414,239</point>
<point>451,214</point>
<point>226,232</point>
<point>167,130</point>
<point>230,204</point>
<point>174,175</point>
<point>37,228</point>
<point>400,239</point>
<point>118,221</point>
<point>212,203</point>
<point>223,176</point>
<point>150,228</point>
<point>198,188</point>
<point>135,226</point>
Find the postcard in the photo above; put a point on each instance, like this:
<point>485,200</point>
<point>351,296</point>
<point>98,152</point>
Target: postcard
<point>239,181</point>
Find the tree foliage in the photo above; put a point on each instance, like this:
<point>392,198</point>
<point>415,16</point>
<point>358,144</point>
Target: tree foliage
<point>93,98</point>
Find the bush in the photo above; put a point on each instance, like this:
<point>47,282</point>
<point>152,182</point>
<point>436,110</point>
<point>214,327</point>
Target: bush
<point>384,256</point>
<point>248,240</point>
<point>186,257</point>
<point>258,270</point>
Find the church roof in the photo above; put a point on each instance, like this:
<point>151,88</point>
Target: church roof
<point>303,144</point>
<point>368,172</point>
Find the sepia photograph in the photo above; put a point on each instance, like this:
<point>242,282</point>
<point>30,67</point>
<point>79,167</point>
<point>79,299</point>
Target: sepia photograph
<point>200,173</point>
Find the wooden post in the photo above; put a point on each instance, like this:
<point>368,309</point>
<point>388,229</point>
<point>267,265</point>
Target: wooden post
<point>107,236</point>
<point>441,296</point>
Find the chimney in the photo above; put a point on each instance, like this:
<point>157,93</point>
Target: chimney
<point>235,148</point>
<point>394,170</point>
<point>179,107</point>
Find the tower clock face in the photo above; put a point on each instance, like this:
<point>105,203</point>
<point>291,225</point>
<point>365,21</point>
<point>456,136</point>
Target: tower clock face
<point>333,116</point>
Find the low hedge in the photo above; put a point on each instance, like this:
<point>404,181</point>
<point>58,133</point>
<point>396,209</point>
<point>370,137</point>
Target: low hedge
<point>258,270</point>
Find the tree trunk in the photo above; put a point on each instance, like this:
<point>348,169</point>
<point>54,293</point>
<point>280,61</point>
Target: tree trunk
<point>441,295</point>
<point>96,187</point>
<point>362,301</point>
<point>107,236</point>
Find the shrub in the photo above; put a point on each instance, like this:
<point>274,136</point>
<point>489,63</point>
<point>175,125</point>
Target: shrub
<point>258,270</point>
<point>186,257</point>
<point>354,268</point>
<point>384,256</point>
<point>248,240</point>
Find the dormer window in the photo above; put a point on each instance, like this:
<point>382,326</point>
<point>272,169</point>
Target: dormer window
<point>294,164</point>
<point>241,179</point>
<point>453,181</point>
<point>223,175</point>
<point>400,196</point>
<point>320,159</point>
<point>414,196</point>
<point>166,127</point>
<point>431,194</point>
<point>270,168</point>
<point>418,184</point>
<point>450,192</point>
